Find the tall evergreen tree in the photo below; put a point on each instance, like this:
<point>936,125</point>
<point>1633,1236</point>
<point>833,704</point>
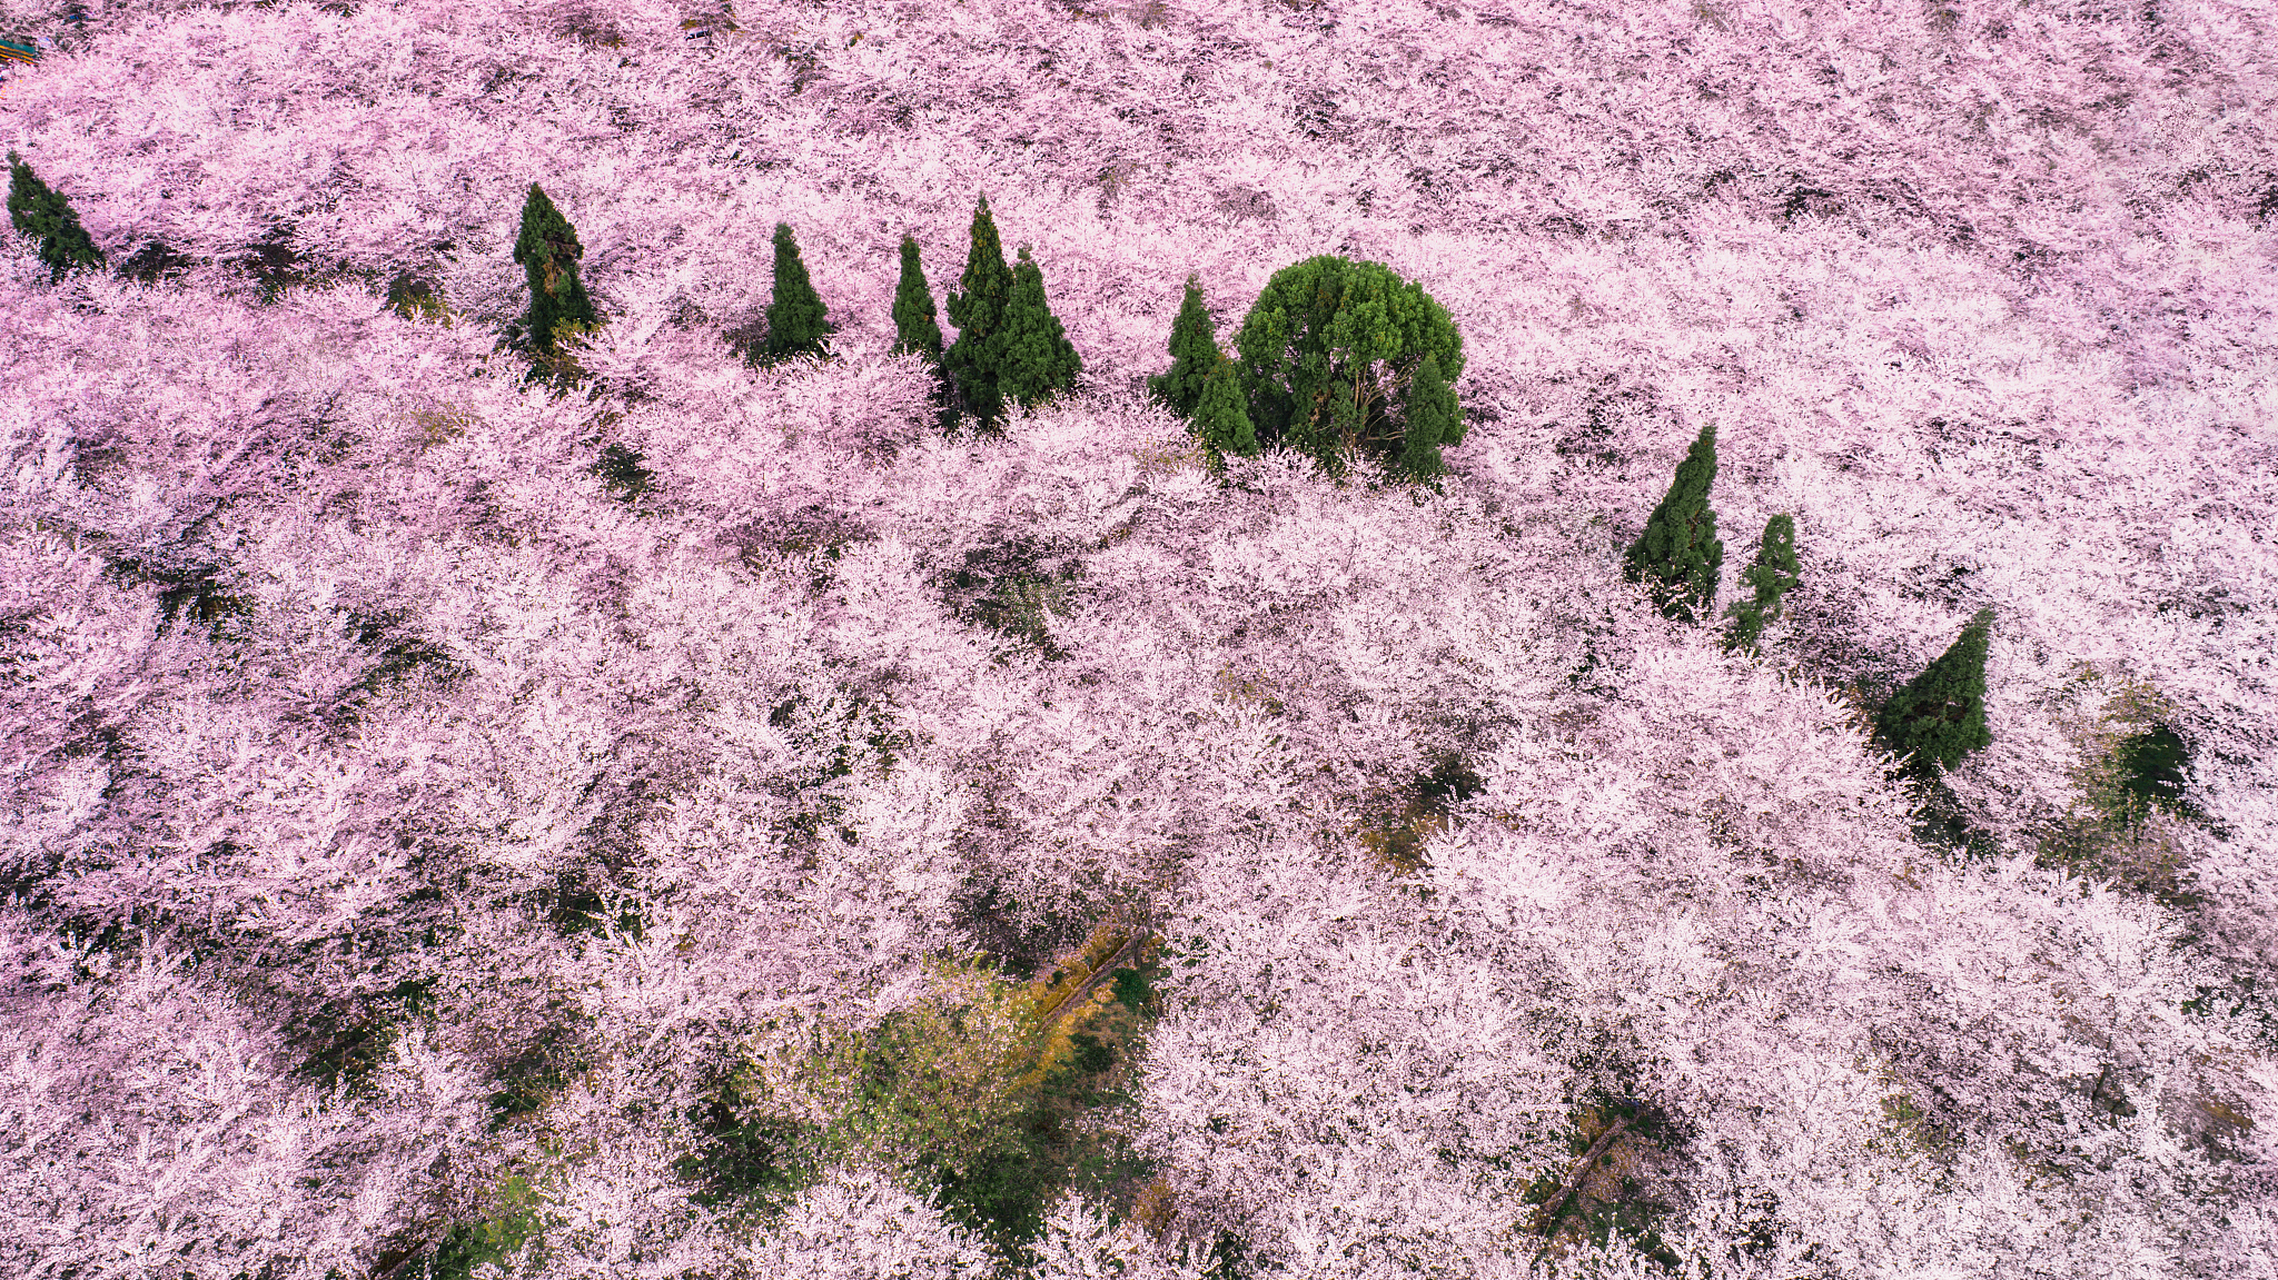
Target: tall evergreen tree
<point>1035,360</point>
<point>914,326</point>
<point>548,251</point>
<point>44,214</point>
<point>1221,419</point>
<point>916,330</point>
<point>1432,419</point>
<point>978,313</point>
<point>796,323</point>
<point>1194,353</point>
<point>1940,715</point>
<point>1678,556</point>
<point>1774,573</point>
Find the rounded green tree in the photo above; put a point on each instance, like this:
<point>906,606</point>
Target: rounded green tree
<point>1940,715</point>
<point>43,214</point>
<point>1678,556</point>
<point>1327,353</point>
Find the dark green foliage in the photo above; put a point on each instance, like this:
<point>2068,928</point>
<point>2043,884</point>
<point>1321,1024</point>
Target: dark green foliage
<point>747,1160</point>
<point>1451,782</point>
<point>413,295</point>
<point>155,261</point>
<point>1133,990</point>
<point>401,650</point>
<point>1220,419</point>
<point>2252,1009</point>
<point>621,471</point>
<point>1940,715</point>
<point>525,1081</point>
<point>1678,556</point>
<point>1433,420</point>
<point>916,330</point>
<point>1326,351</point>
<point>1004,1191</point>
<point>580,906</point>
<point>1035,360</point>
<point>914,325</point>
<point>275,265</point>
<point>348,1040</point>
<point>2151,769</point>
<point>1775,572</point>
<point>1397,835</point>
<point>466,1246</point>
<point>44,214</point>
<point>1093,1055</point>
<point>548,250</point>
<point>1013,587</point>
<point>1229,1258</point>
<point>190,593</point>
<point>796,323</point>
<point>979,314</point>
<point>1194,353</point>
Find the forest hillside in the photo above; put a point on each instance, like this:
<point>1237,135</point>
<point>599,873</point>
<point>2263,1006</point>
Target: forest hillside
<point>1172,638</point>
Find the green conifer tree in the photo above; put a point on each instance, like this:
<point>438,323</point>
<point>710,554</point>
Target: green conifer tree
<point>559,309</point>
<point>1678,556</point>
<point>1221,419</point>
<point>1940,715</point>
<point>916,330</point>
<point>796,323</point>
<point>1774,573</point>
<point>45,215</point>
<point>978,313</point>
<point>1194,353</point>
<point>914,326</point>
<point>1035,360</point>
<point>1432,419</point>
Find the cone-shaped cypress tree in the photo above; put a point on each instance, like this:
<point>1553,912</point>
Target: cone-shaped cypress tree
<point>44,214</point>
<point>978,313</point>
<point>1432,420</point>
<point>914,326</point>
<point>1940,714</point>
<point>1221,419</point>
<point>1194,353</point>
<point>548,251</point>
<point>1035,360</point>
<point>916,330</point>
<point>1773,574</point>
<point>1678,556</point>
<point>796,325</point>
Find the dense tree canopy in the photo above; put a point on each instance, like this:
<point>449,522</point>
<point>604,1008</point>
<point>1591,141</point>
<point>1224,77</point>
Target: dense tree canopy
<point>38,211</point>
<point>1678,556</point>
<point>797,321</point>
<point>1327,355</point>
<point>979,309</point>
<point>1939,716</point>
